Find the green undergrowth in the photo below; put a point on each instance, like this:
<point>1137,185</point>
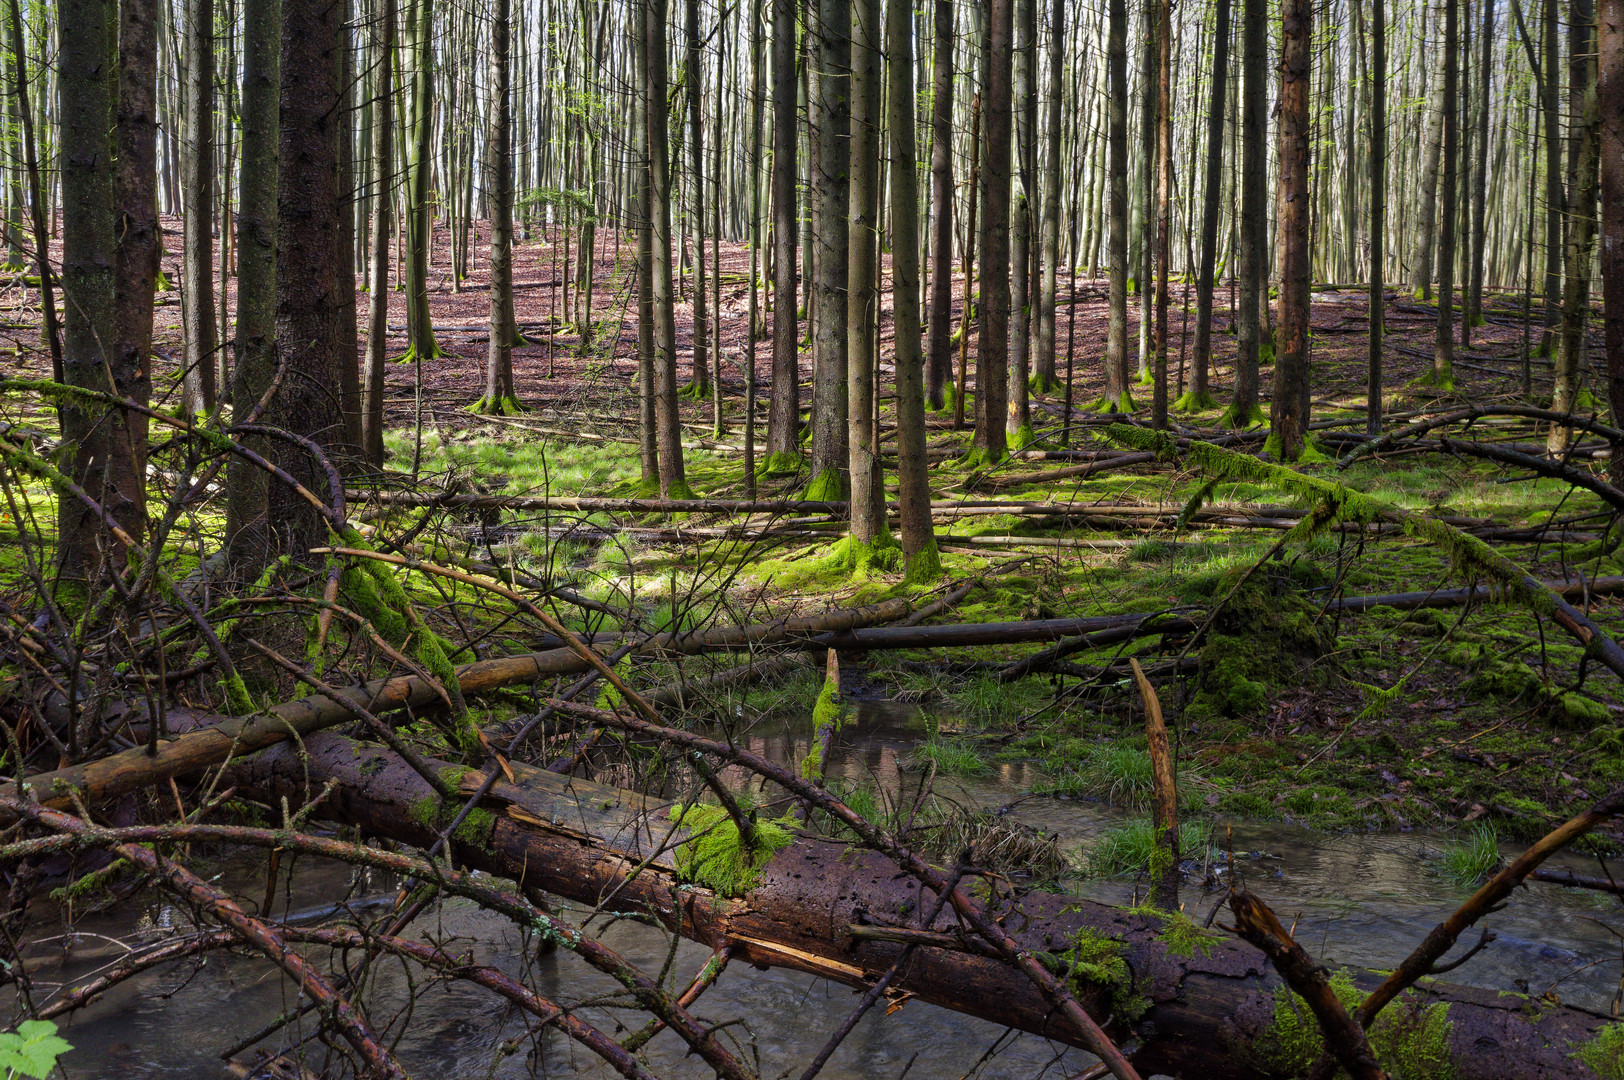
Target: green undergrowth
<point>1470,861</point>
<point>950,756</point>
<point>1129,848</point>
<point>1410,1041</point>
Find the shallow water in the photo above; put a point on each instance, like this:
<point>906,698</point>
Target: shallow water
<point>1356,899</point>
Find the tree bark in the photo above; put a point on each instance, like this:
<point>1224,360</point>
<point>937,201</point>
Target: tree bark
<point>1018,428</point>
<point>1117,395</point>
<point>420,221</point>
<point>913,470</point>
<point>784,409</point>
<point>1610,100</point>
<point>694,78</point>
<point>1252,260</point>
<point>1584,150</point>
<point>939,373</point>
<point>247,525</point>
<point>647,410</point>
<point>1289,407</point>
<point>992,362</point>
<point>1443,355</point>
<point>1199,396</point>
<point>1472,313</point>
<point>383,153</point>
<point>1378,215</point>
<point>1164,203</point>
<point>667,423</point>
<point>499,398</point>
<point>1423,262</point>
<point>1044,378</point>
<point>830,114</point>
<point>197,192</point>
<point>868,529</point>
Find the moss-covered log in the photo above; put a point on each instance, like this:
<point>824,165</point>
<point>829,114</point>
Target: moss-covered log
<point>1196,1003</point>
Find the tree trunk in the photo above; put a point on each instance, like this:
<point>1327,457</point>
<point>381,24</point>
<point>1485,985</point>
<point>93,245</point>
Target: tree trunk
<point>419,218</point>
<point>197,192</point>
<point>939,373</point>
<point>830,113</point>
<point>1378,214</point>
<point>667,423</point>
<point>992,361</point>
<point>1443,355</point>
<point>139,243</point>
<point>499,398</point>
<point>1289,408</point>
<point>1555,193</point>
<point>1117,397</point>
<point>647,412</point>
<point>694,76</point>
<point>784,408</point>
<point>1044,378</point>
<point>1584,150</point>
<point>309,274</point>
<point>1422,262</point>
<point>1199,396</point>
<point>1251,331</point>
<point>88,94</point>
<point>383,153</point>
<point>247,526</point>
<point>758,103</point>
<point>1164,203</point>
<point>1472,315</point>
<point>913,470</point>
<point>1610,102</point>
<point>868,529</point>
<point>1018,428</point>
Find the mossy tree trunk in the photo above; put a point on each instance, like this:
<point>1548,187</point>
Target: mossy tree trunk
<point>1422,258</point>
<point>1044,379</point>
<point>694,85</point>
<point>1378,213</point>
<point>648,454</point>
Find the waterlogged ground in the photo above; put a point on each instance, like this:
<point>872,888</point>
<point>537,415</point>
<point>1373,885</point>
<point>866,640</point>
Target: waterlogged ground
<point>1354,898</point>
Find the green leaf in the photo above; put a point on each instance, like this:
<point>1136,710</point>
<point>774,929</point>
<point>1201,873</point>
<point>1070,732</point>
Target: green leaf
<point>32,1049</point>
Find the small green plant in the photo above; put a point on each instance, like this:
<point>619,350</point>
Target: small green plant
<point>1471,861</point>
<point>1128,848</point>
<point>31,1050</point>
<point>954,757</point>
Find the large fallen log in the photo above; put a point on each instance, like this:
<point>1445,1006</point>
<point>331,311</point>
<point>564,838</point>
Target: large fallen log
<point>1198,1004</point>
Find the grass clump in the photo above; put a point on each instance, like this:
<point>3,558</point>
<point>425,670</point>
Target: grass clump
<point>1410,1043</point>
<point>1130,847</point>
<point>715,857</point>
<point>954,757</point>
<point>1473,860</point>
<point>1604,1055</point>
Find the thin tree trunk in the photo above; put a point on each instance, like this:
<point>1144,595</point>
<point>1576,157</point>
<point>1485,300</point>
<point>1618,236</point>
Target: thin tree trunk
<point>1164,203</point>
<point>993,356</point>
<point>1378,213</point>
<point>1555,193</point>
<point>784,407</point>
<point>939,373</point>
<point>1422,262</point>
<point>383,153</point>
<point>499,398</point>
<point>699,386</point>
<point>753,163</point>
<point>868,529</point>
<point>1610,101</point>
<point>1443,356</point>
<point>247,524</point>
<point>1199,397</point>
<point>1018,428</point>
<point>1252,262</point>
<point>1044,379</point>
<point>419,221</point>
<point>1289,407</point>
<point>197,184</point>
<point>1584,149</point>
<point>1472,316</point>
<point>913,471</point>
<point>648,423</point>
<point>831,115</point>
<point>667,423</point>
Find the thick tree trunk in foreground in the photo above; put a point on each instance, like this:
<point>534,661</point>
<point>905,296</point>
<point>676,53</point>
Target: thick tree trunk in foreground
<point>1584,151</point>
<point>136,201</point>
<point>939,372</point>
<point>830,119</point>
<point>992,364</point>
<point>1199,396</point>
<point>1289,408</point>
<point>1117,397</point>
<point>1251,333</point>
<point>667,425</point>
<point>309,270</point>
<point>499,399</point>
<point>862,287</point>
<point>420,218</point>
<point>844,914</point>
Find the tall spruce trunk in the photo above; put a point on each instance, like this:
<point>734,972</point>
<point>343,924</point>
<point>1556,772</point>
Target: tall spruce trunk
<point>939,372</point>
<point>1164,202</point>
<point>1117,396</point>
<point>1472,314</point>
<point>1199,396</point>
<point>1044,379</point>
<point>1378,214</point>
<point>139,244</point>
<point>694,76</point>
<point>309,271</point>
<point>499,398</point>
<point>667,422</point>
<point>1289,406</point>
<point>1584,151</point>
<point>1423,260</point>
<point>247,526</point>
<point>784,392</point>
<point>1018,428</point>
<point>993,356</point>
<point>420,166</point>
<point>1443,354</point>
<point>1252,267</point>
<point>88,93</point>
<point>830,114</point>
<point>383,154</point>
<point>913,470</point>
<point>758,96</point>
<point>868,530</point>
<point>647,413</point>
<point>1610,102</point>
<point>197,192</point>
<point>1555,193</point>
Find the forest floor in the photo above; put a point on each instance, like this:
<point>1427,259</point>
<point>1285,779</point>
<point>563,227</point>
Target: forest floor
<point>1497,721</point>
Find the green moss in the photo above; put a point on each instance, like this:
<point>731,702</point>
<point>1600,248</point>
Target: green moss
<point>827,713</point>
<point>1442,381</point>
<point>861,559</point>
<point>679,489</point>
<point>1182,937</point>
<point>827,486</point>
<point>782,463</point>
<point>1410,1043</point>
<point>980,457</point>
<point>714,856</point>
<point>1193,402</point>
<point>1238,418</point>
<point>924,567</point>
<point>1037,384</point>
<point>1310,454</point>
<point>1577,711</point>
<point>501,406</point>
<point>1022,437</point>
<point>1095,958</point>
<point>1604,1054</point>
<point>1107,404</point>
<point>238,701</point>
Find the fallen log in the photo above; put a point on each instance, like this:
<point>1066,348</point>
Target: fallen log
<point>1201,1005</point>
